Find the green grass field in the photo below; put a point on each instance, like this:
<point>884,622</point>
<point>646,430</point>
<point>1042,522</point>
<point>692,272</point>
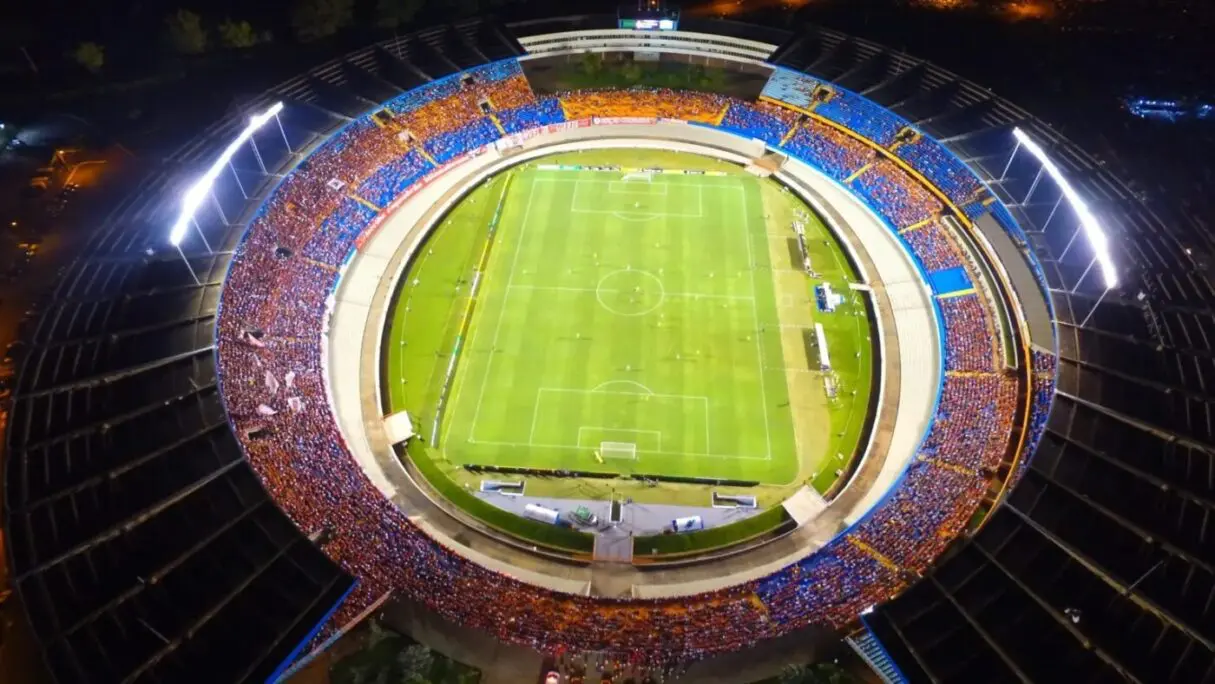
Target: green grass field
<point>664,316</point>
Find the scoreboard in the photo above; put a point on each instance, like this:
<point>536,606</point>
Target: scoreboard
<point>649,24</point>
<point>648,15</point>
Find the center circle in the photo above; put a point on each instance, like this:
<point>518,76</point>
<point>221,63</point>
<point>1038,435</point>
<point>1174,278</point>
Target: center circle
<point>630,293</point>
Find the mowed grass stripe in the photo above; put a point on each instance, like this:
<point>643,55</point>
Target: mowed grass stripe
<point>554,330</point>
<point>431,310</point>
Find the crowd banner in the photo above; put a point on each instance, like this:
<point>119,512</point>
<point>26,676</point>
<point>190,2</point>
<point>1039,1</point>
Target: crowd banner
<point>613,120</point>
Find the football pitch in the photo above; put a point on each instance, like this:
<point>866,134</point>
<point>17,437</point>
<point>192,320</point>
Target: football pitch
<point>632,326</point>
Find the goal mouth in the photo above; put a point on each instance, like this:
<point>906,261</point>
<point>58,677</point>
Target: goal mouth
<point>621,450</point>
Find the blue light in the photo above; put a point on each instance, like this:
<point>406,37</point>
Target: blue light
<point>1168,110</point>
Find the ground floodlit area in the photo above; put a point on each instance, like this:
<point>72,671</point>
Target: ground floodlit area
<point>656,325</point>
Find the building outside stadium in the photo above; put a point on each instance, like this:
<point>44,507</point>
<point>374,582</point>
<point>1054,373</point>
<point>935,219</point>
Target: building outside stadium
<point>493,289</point>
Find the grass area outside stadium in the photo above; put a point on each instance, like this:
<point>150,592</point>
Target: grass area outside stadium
<point>670,315</point>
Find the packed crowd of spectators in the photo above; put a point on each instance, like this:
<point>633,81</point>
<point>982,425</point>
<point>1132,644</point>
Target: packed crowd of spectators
<point>661,103</point>
<point>331,242</point>
<point>836,153</point>
<point>447,146</point>
<point>271,348</point>
<point>542,112</point>
<point>933,247</point>
<point>973,421</point>
<point>893,193</point>
<point>461,99</point>
<point>1045,366</point>
<point>861,115</point>
<point>392,178</point>
<point>768,122</point>
<point>970,343</point>
<point>923,514</point>
<point>946,171</point>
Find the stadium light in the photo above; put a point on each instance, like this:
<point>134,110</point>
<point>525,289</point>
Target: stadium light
<point>193,197</point>
<point>1093,232</point>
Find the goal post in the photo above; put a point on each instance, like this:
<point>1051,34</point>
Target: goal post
<point>618,450</point>
<point>644,176</point>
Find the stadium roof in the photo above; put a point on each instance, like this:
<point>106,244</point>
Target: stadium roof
<point>129,500</point>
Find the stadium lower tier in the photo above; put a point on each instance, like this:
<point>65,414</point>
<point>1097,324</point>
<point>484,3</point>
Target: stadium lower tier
<point>269,335</point>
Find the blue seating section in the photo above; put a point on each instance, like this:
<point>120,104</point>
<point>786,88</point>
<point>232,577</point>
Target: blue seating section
<point>941,167</point>
<point>859,114</point>
<point>448,146</point>
<point>335,238</point>
<point>833,152</point>
<point>495,71</point>
<point>752,122</point>
<point>391,179</point>
<point>790,86</point>
<point>949,280</point>
<point>898,202</point>
<point>541,113</point>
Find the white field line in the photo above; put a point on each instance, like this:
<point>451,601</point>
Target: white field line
<point>531,195</point>
<point>524,445</point>
<point>700,187</point>
<point>635,188</point>
<point>759,347</point>
<point>625,394</point>
<point>631,215</point>
<point>583,428</point>
<point>690,295</point>
<point>704,403</point>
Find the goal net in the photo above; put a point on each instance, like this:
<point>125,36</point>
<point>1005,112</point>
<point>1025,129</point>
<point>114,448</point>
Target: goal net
<point>625,450</point>
<point>644,176</point>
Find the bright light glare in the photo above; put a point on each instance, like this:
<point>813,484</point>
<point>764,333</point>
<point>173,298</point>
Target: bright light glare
<point>194,196</point>
<point>1088,223</point>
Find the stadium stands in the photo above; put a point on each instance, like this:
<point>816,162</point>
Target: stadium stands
<point>971,342</point>
<point>836,153</point>
<point>793,87</point>
<point>270,346</point>
<point>946,171</point>
<point>760,120</point>
<point>859,114</point>
<point>545,111</point>
<point>894,195</point>
<point>934,248</point>
<point>656,103</point>
<point>393,178</point>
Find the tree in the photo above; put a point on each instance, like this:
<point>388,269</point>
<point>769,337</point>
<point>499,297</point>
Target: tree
<point>391,14</point>
<point>414,663</point>
<point>90,55</point>
<point>632,72</point>
<point>313,19</point>
<point>385,657</point>
<point>238,34</point>
<point>592,63</point>
<point>792,674</point>
<point>186,32</point>
<point>819,673</point>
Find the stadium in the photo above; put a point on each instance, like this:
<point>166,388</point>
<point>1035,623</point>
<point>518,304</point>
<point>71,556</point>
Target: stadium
<point>805,339</point>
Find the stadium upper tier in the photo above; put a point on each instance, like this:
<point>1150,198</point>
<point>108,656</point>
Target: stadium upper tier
<point>145,550</point>
<point>273,312</point>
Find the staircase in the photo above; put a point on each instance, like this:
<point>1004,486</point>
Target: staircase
<point>867,646</point>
